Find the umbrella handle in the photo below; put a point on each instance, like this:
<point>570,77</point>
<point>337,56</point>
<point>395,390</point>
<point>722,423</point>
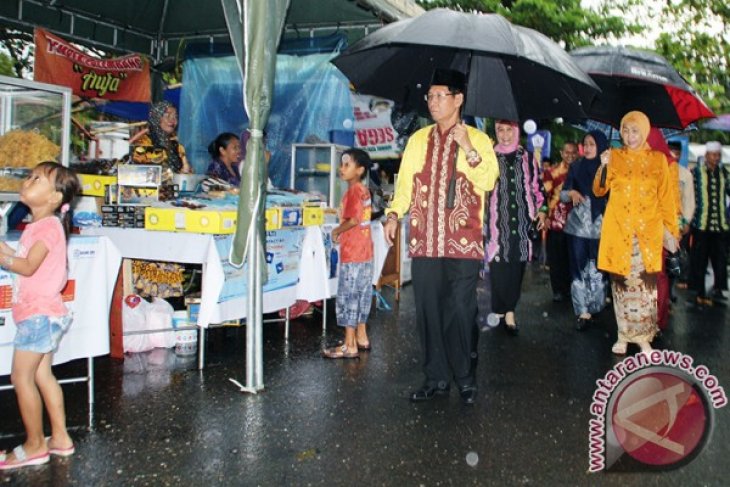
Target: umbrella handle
<point>451,193</point>
<point>604,171</point>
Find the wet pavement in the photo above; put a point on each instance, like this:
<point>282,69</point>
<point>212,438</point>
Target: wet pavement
<point>159,421</point>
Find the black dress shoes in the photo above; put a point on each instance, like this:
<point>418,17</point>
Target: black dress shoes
<point>468,395</point>
<point>426,393</point>
<point>513,330</point>
<point>582,324</point>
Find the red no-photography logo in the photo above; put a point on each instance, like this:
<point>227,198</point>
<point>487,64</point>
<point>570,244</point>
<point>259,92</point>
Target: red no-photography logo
<point>657,410</point>
<point>660,419</point>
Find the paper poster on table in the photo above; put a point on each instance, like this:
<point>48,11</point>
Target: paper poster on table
<point>283,251</point>
<point>331,250</point>
<point>87,295</point>
<point>57,62</point>
<point>374,130</point>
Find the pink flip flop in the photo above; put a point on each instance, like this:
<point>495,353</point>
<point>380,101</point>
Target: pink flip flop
<point>61,452</point>
<point>22,460</point>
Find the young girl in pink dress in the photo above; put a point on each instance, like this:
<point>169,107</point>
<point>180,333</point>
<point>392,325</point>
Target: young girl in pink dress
<point>39,314</point>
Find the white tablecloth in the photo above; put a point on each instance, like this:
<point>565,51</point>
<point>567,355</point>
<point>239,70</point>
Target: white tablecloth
<point>197,248</point>
<point>314,283</point>
<point>93,265</point>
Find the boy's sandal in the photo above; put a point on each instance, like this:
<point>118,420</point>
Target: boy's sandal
<point>22,460</point>
<point>61,452</point>
<point>339,353</point>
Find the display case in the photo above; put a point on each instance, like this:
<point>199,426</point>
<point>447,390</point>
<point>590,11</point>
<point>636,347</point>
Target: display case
<point>315,169</point>
<point>35,125</point>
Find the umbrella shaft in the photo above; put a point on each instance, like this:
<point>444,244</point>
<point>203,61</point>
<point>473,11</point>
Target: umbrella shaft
<point>451,195</point>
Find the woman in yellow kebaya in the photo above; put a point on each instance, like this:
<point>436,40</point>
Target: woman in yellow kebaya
<point>640,218</point>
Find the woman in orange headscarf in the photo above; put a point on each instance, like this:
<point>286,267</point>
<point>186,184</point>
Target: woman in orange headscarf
<point>640,218</point>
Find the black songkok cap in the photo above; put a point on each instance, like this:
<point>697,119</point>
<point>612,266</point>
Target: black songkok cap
<point>455,80</point>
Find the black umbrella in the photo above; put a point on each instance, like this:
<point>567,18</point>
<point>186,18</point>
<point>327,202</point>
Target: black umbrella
<point>514,72</point>
<point>631,79</point>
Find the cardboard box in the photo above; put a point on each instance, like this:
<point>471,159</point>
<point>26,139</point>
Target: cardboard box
<point>273,219</point>
<point>291,216</point>
<point>94,184</point>
<point>164,219</point>
<point>211,221</point>
<point>330,216</point>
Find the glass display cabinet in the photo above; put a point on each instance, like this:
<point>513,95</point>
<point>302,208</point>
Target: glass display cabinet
<point>315,169</point>
<point>35,126</point>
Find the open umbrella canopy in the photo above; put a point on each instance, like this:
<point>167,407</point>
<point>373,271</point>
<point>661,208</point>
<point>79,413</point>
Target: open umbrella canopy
<point>632,79</point>
<point>721,122</point>
<point>513,72</point>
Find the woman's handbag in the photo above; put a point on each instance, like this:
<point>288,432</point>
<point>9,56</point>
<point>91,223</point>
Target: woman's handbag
<point>673,265</point>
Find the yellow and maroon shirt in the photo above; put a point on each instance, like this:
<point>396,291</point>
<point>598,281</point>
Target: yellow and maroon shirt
<point>423,181</point>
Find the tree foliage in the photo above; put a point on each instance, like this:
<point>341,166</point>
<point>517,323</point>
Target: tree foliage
<point>697,43</point>
<point>18,46</point>
<point>6,65</point>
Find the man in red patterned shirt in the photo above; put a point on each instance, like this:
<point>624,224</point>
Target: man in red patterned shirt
<point>444,174</point>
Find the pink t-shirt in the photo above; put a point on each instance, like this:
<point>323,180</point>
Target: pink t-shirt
<point>40,294</point>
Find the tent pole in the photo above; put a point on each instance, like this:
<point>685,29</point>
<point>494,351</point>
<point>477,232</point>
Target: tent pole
<point>251,312</point>
<point>258,319</point>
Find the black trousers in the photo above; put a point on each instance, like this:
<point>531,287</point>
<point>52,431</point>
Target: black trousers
<point>445,292</point>
<point>505,279</point>
<point>558,258</point>
<point>707,247</point>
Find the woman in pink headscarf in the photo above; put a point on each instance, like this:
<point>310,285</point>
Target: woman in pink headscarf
<point>516,201</point>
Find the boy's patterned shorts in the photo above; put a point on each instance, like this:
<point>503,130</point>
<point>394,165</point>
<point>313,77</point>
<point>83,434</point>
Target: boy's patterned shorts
<point>354,293</point>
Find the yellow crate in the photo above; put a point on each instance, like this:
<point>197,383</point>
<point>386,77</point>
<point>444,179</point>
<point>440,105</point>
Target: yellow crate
<point>312,216</point>
<point>273,219</point>
<point>93,184</point>
<point>210,221</point>
<point>164,219</point>
<point>315,216</point>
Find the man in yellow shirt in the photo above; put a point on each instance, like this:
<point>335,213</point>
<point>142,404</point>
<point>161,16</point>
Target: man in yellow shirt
<point>444,174</point>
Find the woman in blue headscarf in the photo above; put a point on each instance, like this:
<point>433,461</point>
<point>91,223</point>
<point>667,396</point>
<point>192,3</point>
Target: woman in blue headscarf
<point>583,227</point>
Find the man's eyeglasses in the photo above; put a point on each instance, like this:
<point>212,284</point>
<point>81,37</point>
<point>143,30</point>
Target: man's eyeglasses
<point>438,96</point>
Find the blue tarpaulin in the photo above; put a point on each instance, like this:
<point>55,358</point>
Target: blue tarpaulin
<point>311,97</point>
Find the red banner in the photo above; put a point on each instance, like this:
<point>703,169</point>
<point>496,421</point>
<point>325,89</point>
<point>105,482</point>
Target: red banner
<point>57,62</point>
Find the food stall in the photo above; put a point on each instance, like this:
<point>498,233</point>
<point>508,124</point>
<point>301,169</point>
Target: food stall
<point>35,121</point>
<point>35,126</point>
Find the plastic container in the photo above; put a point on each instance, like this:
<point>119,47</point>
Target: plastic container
<point>492,320</point>
<point>180,318</point>
<point>188,183</point>
<point>186,342</point>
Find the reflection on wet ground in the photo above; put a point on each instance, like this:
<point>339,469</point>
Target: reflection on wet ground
<point>159,421</point>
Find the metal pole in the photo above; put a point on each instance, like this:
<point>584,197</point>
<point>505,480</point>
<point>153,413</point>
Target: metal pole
<point>259,315</point>
<point>250,312</point>
<point>90,362</point>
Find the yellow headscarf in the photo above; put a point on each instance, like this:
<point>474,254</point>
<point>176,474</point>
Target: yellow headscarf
<point>642,121</point>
